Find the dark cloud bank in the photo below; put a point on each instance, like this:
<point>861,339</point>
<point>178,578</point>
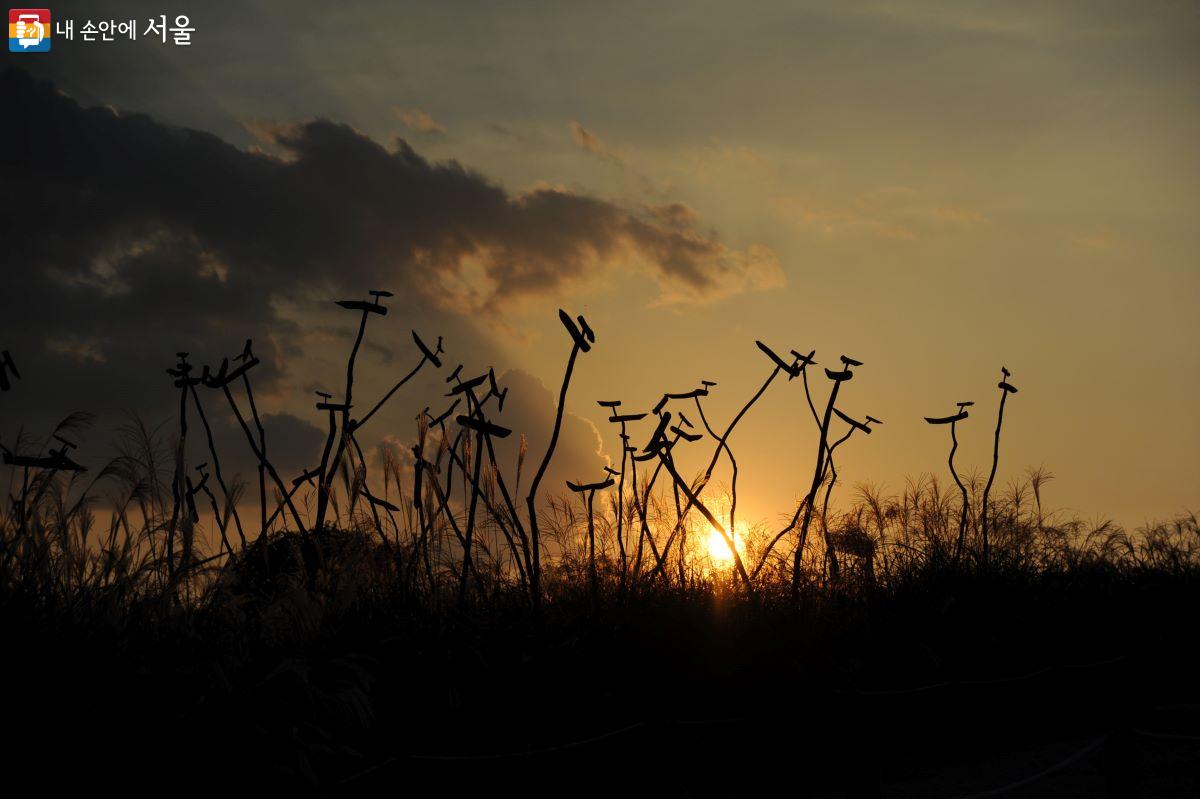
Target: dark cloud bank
<point>128,239</point>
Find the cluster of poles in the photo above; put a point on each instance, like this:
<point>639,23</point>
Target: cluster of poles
<point>466,436</point>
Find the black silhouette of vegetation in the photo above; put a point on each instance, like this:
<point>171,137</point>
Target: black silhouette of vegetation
<point>379,629</point>
<point>965,501</point>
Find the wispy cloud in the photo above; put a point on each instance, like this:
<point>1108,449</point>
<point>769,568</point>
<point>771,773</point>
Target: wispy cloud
<point>591,143</point>
<point>898,213</point>
<point>1096,241</point>
<point>507,133</point>
<point>417,120</point>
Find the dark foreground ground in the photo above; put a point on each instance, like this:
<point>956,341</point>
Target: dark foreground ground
<point>951,684</point>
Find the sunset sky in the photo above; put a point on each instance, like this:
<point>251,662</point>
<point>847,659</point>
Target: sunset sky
<point>936,189</point>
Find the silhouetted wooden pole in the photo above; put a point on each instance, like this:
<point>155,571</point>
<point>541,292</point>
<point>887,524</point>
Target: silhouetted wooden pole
<point>622,419</point>
<point>178,487</point>
<point>639,507</point>
<point>581,341</point>
<point>262,447</point>
<point>1005,390</point>
<point>522,557</point>
<point>644,529</point>
<point>953,422</point>
<point>722,443</point>
<point>473,411</point>
<point>831,468</point>
<point>476,420</point>
<point>819,471</point>
<point>212,501</point>
<point>588,492</point>
<point>230,500</point>
<point>421,545</point>
<point>367,308</point>
<point>535,581</point>
<point>470,534</point>
<point>830,553</point>
<point>323,470</point>
<point>644,533</point>
<point>620,502</point>
<point>592,577</point>
<point>963,488</point>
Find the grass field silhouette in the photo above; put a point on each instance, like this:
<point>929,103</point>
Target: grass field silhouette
<point>443,620</point>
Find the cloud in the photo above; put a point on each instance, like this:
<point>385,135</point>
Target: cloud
<point>109,189</point>
<point>583,236</point>
<point>717,160</point>
<point>964,216</point>
<point>1011,23</point>
<point>897,213</point>
<point>417,120</point>
<point>590,142</point>
<point>1096,241</point>
<point>507,133</point>
<point>138,239</point>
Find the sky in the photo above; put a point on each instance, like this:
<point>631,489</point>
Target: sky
<point>935,189</point>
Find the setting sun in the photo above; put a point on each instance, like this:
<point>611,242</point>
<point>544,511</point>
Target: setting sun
<point>718,547</point>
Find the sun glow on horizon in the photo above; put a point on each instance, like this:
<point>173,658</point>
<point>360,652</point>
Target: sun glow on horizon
<point>717,546</point>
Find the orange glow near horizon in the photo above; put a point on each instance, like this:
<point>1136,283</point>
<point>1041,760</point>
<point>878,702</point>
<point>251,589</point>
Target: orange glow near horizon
<point>716,545</point>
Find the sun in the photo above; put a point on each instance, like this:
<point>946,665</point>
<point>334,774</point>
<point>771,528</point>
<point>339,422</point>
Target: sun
<point>718,547</point>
